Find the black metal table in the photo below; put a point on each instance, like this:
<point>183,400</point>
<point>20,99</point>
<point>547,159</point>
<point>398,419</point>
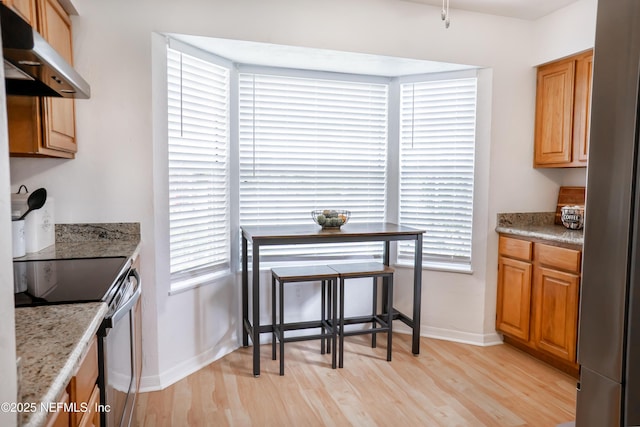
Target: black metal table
<point>312,234</point>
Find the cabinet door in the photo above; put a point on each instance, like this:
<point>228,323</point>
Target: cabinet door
<point>554,113</point>
<point>59,114</point>
<point>514,297</point>
<point>582,108</point>
<point>25,8</point>
<point>60,418</point>
<point>556,312</point>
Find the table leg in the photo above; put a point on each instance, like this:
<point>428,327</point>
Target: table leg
<point>255,331</point>
<point>417,293</point>
<point>385,281</point>
<point>245,293</point>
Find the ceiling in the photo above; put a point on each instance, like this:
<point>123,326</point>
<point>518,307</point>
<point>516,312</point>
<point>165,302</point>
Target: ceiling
<point>523,9</point>
<point>266,54</point>
<point>273,55</point>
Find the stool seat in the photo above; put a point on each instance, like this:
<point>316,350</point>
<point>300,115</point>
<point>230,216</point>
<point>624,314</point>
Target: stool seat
<point>304,274</point>
<point>362,269</point>
<point>328,310</point>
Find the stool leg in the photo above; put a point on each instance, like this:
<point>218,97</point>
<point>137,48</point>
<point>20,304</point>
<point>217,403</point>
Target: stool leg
<point>374,310</point>
<point>273,318</point>
<point>331,311</point>
<point>322,315</point>
<point>341,356</point>
<point>281,300</point>
<point>389,316</point>
<point>334,321</point>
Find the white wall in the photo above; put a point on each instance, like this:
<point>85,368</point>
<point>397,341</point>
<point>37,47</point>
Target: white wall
<point>112,177</point>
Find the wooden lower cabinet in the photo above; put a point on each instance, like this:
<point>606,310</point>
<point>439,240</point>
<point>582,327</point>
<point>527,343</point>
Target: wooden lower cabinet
<point>61,418</point>
<point>81,396</point>
<point>514,297</point>
<point>556,317</point>
<point>537,300</point>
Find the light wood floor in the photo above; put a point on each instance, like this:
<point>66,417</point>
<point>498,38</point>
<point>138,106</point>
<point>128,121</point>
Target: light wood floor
<point>448,384</point>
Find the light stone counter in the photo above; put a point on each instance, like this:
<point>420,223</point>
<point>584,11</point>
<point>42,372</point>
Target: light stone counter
<point>539,225</point>
<point>51,340</point>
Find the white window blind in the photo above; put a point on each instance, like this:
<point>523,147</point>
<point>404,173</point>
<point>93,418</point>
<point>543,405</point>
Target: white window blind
<point>198,105</point>
<point>309,144</point>
<point>437,144</point>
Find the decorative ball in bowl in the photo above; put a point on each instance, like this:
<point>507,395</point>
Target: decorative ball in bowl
<point>330,218</point>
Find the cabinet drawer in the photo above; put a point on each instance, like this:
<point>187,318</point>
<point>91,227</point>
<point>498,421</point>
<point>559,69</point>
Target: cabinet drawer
<point>561,258</point>
<point>515,248</point>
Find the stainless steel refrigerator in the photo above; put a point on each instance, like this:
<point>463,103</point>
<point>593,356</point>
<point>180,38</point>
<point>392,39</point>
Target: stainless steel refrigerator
<point>609,332</point>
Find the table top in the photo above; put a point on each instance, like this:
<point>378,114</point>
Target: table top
<point>312,232</point>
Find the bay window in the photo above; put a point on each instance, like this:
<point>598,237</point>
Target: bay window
<point>315,140</point>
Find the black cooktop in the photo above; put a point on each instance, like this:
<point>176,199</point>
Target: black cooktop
<point>57,281</point>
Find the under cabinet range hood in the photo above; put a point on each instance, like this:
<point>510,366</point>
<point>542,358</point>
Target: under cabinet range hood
<point>31,66</point>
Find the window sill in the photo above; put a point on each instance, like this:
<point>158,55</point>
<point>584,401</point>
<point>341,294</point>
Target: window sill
<point>184,285</point>
<point>440,266</point>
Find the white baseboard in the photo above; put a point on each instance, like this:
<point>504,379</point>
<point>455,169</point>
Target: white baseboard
<point>483,340</point>
<point>186,368</point>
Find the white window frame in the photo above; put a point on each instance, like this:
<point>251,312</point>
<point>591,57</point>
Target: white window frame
<point>182,281</point>
<point>428,262</point>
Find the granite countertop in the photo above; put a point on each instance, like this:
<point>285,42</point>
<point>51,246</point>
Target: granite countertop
<point>51,341</point>
<point>538,225</point>
<point>91,241</point>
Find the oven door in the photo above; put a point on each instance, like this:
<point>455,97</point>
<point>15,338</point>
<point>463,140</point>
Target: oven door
<point>117,366</point>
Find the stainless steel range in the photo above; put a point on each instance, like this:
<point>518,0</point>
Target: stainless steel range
<point>113,281</point>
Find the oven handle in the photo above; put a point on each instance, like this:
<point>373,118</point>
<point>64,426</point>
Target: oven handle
<point>126,307</point>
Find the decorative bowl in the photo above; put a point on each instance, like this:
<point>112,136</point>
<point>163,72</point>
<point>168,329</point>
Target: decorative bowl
<point>330,218</point>
<point>572,217</point>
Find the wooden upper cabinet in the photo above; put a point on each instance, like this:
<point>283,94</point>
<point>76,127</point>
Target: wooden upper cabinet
<point>45,126</point>
<point>563,106</point>
<point>25,8</point>
<point>582,115</point>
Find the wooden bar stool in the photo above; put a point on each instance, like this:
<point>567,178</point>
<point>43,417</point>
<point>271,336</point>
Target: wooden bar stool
<point>328,317</point>
<point>379,322</point>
